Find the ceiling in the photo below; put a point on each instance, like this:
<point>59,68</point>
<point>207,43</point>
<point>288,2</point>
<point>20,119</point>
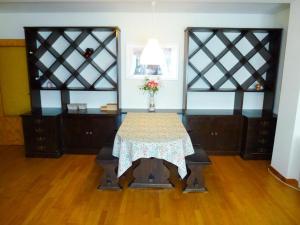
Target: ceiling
<point>192,6</point>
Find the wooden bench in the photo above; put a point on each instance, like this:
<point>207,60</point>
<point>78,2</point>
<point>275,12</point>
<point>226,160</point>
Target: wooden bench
<point>109,163</point>
<point>194,181</point>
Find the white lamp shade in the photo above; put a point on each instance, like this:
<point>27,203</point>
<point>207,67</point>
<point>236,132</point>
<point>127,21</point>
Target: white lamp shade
<point>152,53</point>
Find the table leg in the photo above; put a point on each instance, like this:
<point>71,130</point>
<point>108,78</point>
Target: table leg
<point>151,173</point>
<point>127,178</point>
<point>174,177</point>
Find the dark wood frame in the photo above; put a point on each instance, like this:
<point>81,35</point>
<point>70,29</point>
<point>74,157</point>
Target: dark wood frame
<point>247,116</point>
<point>274,38</point>
<point>33,54</point>
<point>87,117</point>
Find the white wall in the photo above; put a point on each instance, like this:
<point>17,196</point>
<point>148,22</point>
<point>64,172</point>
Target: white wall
<point>286,153</point>
<point>282,19</point>
<point>136,28</point>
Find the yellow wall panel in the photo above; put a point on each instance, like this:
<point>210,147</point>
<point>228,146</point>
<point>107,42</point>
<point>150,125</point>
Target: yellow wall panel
<point>14,80</point>
<point>1,106</point>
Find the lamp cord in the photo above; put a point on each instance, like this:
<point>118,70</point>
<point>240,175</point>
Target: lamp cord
<point>153,5</point>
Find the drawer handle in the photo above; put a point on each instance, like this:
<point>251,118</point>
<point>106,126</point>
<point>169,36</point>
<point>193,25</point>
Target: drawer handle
<point>41,138</point>
<point>38,121</point>
<point>262,141</point>
<point>40,147</point>
<point>264,132</point>
<point>265,123</point>
<point>261,150</point>
<point>38,130</point>
<point>214,133</point>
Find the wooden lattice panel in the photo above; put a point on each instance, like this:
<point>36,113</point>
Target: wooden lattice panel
<point>73,58</point>
<point>231,59</point>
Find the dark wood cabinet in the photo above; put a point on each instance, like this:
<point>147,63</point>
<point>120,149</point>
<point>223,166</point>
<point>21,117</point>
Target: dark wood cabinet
<point>68,60</point>
<point>200,130</point>
<point>86,134</point>
<point>41,135</point>
<point>258,138</point>
<point>228,134</point>
<point>237,132</point>
<point>215,134</point>
<point>51,133</point>
<point>250,133</point>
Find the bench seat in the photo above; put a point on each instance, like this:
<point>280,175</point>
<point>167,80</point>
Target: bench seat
<point>199,157</point>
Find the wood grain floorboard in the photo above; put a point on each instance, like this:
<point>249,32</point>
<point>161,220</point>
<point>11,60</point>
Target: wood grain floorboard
<point>36,191</point>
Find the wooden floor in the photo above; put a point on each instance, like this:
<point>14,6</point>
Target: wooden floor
<point>63,191</point>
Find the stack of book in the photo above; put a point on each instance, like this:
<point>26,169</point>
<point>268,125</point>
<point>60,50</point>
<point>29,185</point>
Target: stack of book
<point>109,107</point>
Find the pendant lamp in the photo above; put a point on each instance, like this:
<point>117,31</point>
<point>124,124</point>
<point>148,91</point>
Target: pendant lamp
<point>152,53</point>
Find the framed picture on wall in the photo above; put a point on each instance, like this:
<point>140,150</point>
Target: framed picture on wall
<point>167,71</point>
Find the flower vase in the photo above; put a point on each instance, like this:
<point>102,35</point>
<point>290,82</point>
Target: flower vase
<point>151,102</point>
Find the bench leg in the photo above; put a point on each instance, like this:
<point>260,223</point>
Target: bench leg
<point>194,181</point>
<point>109,179</point>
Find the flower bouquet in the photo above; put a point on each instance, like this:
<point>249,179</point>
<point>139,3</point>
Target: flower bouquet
<point>152,86</point>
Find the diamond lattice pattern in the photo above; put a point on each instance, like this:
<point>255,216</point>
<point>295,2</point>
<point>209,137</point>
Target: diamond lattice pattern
<point>227,60</point>
<point>62,62</point>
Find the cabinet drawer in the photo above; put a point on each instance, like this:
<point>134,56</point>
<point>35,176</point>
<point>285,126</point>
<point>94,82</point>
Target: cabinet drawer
<point>261,150</point>
<point>41,136</point>
<point>259,138</point>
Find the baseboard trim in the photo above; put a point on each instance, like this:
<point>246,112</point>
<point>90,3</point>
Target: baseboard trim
<point>291,182</point>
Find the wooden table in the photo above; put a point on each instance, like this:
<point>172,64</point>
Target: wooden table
<point>149,145</point>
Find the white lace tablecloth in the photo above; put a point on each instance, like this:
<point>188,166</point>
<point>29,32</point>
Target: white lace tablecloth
<point>158,135</point>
